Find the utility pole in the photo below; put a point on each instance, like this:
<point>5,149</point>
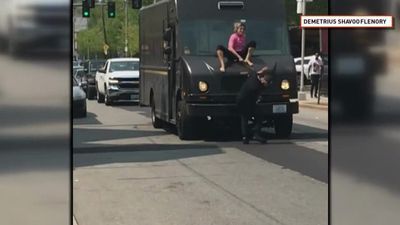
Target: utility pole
<point>302,95</point>
<point>104,27</point>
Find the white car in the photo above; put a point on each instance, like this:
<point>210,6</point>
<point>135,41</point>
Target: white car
<point>297,62</point>
<point>79,99</point>
<point>118,80</point>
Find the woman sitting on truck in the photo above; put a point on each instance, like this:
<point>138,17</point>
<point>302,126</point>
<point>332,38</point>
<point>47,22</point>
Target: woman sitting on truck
<point>237,47</point>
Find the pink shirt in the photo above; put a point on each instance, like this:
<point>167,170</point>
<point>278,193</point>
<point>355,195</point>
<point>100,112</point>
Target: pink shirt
<point>237,42</point>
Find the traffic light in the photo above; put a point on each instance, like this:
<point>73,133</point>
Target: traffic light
<point>111,9</point>
<point>85,8</point>
<point>92,3</point>
<point>136,4</point>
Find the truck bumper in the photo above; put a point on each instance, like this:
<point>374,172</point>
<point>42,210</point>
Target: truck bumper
<point>230,110</point>
<point>124,94</point>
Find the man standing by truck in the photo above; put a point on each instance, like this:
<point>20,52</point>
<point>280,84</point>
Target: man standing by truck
<point>315,66</point>
<point>247,104</point>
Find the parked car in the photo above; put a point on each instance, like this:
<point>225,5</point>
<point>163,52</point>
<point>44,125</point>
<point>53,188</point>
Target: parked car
<point>297,62</point>
<point>91,67</point>
<point>79,100</point>
<point>75,67</point>
<point>79,75</point>
<point>118,80</point>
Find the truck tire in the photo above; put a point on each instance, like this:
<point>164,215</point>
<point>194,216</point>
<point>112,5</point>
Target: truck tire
<point>107,100</point>
<point>283,126</point>
<point>100,97</point>
<point>184,124</point>
<point>157,123</point>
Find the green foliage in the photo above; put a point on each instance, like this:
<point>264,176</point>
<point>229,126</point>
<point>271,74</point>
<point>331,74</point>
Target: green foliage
<point>92,40</point>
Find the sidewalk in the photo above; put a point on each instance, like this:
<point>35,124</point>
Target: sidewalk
<point>313,102</point>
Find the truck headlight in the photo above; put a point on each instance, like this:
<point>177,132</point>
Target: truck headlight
<point>285,85</point>
<point>203,86</point>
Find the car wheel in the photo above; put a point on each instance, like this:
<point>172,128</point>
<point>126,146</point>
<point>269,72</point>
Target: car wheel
<point>91,93</point>
<point>100,97</point>
<point>107,99</point>
<point>83,113</point>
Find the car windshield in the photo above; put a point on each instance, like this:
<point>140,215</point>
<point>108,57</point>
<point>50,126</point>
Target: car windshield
<point>124,66</point>
<point>201,37</point>
<point>94,66</point>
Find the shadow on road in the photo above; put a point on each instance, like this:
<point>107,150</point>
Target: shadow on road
<point>140,153</point>
<point>297,158</point>
<point>90,119</point>
<point>82,136</point>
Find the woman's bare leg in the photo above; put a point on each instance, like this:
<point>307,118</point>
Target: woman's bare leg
<point>248,56</point>
<point>220,55</point>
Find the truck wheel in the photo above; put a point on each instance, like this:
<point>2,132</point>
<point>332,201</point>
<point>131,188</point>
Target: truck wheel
<point>157,123</point>
<point>100,97</point>
<point>283,126</point>
<point>107,99</point>
<point>183,122</point>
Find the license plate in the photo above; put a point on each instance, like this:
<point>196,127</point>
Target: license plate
<point>279,109</point>
<point>134,97</point>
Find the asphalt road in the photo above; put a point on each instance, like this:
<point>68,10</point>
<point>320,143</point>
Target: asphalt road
<point>127,172</point>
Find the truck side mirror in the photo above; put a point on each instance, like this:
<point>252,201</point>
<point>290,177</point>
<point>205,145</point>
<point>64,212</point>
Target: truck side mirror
<point>136,4</point>
<point>167,35</point>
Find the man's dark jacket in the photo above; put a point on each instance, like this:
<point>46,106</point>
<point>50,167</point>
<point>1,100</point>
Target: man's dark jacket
<point>248,95</point>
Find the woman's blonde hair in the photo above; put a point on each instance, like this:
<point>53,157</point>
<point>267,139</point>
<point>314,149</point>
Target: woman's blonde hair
<point>237,25</point>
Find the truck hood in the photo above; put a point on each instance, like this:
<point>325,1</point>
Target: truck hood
<point>209,65</point>
<point>206,68</point>
<point>124,74</point>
